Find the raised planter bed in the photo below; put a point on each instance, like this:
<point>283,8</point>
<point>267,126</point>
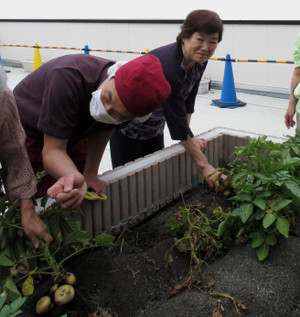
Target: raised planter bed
<point>140,188</point>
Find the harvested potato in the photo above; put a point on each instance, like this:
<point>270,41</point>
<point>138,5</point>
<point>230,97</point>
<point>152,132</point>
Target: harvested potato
<point>64,295</point>
<point>43,305</point>
<point>53,288</point>
<point>71,279</point>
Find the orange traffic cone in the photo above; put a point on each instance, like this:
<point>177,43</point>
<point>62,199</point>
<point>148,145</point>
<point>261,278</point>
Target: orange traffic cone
<point>37,62</point>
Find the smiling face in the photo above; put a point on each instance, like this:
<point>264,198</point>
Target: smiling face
<point>112,102</point>
<point>199,48</point>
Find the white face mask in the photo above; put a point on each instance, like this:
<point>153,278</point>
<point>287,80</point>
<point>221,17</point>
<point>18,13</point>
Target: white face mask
<point>97,109</point>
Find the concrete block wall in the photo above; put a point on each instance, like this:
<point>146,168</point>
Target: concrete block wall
<point>141,188</point>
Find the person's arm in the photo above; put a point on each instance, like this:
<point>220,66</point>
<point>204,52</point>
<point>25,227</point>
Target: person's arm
<point>70,188</point>
<point>178,122</point>
<point>192,147</point>
<point>201,141</point>
<point>290,112</point>
<point>96,146</point>
<point>20,182</point>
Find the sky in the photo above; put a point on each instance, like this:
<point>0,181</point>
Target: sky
<point>151,9</point>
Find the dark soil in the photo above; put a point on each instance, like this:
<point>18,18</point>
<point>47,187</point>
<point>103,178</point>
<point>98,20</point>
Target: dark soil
<point>133,281</point>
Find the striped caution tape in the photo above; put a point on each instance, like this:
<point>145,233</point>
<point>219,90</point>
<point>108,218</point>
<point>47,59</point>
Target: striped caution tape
<point>263,61</point>
<point>73,48</point>
<point>86,49</point>
<point>251,60</point>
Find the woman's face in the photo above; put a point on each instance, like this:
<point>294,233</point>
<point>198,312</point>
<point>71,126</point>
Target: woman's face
<point>199,48</point>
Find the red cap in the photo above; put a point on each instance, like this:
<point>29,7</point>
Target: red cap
<point>141,85</point>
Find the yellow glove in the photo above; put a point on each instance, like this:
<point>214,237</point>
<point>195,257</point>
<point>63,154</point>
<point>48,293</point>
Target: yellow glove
<point>94,196</point>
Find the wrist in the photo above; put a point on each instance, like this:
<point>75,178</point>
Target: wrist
<point>27,206</point>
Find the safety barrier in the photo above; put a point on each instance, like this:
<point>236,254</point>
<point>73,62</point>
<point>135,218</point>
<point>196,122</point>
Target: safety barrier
<point>251,60</point>
<point>86,49</point>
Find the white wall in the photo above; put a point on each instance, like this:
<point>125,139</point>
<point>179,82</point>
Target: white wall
<point>145,10</point>
<point>241,41</point>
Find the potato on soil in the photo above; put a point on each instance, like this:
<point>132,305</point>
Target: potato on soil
<point>64,294</point>
<point>53,288</point>
<point>70,279</point>
<point>43,305</point>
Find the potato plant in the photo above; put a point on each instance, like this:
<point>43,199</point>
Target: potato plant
<point>266,179</point>
<point>265,189</point>
<point>26,264</point>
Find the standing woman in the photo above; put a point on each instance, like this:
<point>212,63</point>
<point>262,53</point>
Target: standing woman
<point>20,182</point>
<point>294,101</point>
<point>183,63</point>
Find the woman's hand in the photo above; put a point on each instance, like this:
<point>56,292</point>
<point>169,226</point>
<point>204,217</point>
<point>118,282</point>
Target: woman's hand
<point>202,144</point>
<point>93,182</point>
<point>288,117</point>
<point>69,191</point>
<point>32,225</point>
<point>215,179</point>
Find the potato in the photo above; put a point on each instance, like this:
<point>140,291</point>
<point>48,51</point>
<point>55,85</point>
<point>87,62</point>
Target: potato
<point>64,294</point>
<point>70,279</point>
<point>43,305</point>
<point>53,288</point>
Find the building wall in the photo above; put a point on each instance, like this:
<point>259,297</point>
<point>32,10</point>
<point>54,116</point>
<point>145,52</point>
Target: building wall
<point>241,40</point>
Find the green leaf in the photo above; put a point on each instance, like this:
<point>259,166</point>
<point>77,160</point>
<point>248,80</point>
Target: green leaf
<point>257,239</point>
<point>222,229</point>
<point>2,299</point>
<point>268,220</point>
<point>265,194</point>
<point>260,203</point>
<point>293,187</point>
<point>78,236</point>
<point>259,214</point>
<point>44,201</point>
<point>105,240</point>
<point>262,177</point>
<point>17,303</point>
<point>294,160</point>
<point>5,311</point>
<point>236,212</point>
<point>12,290</point>
<point>173,225</point>
<point>18,249</point>
<point>281,204</point>
<point>4,259</point>
<point>283,226</point>
<point>73,223</point>
<point>15,313</point>
<point>271,239</point>
<point>262,252</point>
<point>54,224</point>
<point>243,197</point>
<point>245,211</point>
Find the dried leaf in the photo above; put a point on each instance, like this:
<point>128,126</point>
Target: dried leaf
<point>27,287</point>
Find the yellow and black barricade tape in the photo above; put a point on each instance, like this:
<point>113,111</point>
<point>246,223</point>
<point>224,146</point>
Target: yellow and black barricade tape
<point>86,49</point>
<point>251,60</point>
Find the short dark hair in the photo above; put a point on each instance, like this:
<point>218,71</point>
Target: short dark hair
<point>205,21</point>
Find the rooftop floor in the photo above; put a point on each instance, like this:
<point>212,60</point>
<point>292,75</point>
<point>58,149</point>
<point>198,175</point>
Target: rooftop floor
<point>261,115</point>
